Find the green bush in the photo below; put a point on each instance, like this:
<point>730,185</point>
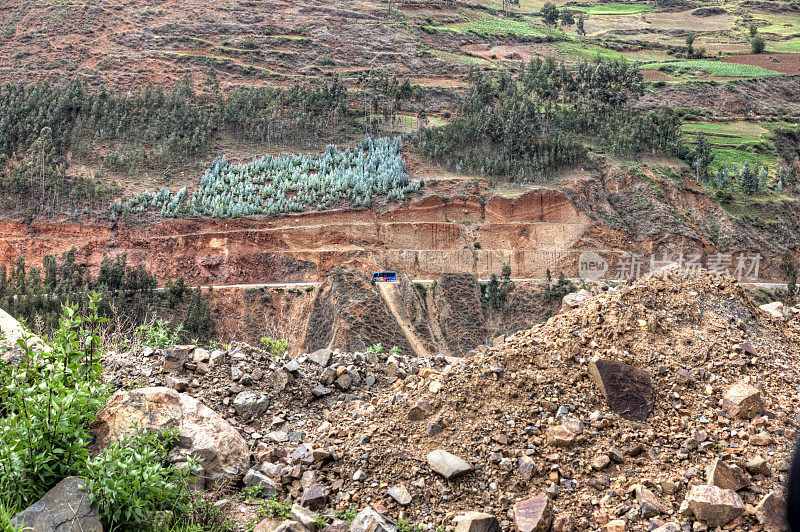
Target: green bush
<point>277,347</point>
<point>136,486</point>
<point>48,400</point>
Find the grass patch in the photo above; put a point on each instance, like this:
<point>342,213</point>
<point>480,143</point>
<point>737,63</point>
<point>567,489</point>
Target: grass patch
<point>613,8</point>
<point>461,59</point>
<point>779,24</point>
<point>714,68</point>
<point>489,25</point>
<point>582,50</point>
<point>728,157</point>
<point>726,133</point>
<point>790,46</point>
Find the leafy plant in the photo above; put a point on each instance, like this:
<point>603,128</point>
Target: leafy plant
<point>375,348</point>
<point>133,481</point>
<point>275,508</point>
<point>394,351</point>
<point>404,525</point>
<point>158,334</point>
<point>277,347</point>
<point>48,400</point>
<point>348,515</point>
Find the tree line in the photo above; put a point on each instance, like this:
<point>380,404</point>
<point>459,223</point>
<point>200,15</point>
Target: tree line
<point>128,296</point>
<point>547,117</point>
<point>45,127</point>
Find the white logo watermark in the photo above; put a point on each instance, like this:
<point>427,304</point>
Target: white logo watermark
<point>630,266</point>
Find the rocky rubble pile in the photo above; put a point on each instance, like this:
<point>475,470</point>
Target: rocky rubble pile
<point>667,404</point>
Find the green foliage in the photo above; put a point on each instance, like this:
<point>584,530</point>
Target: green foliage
<point>702,156</point>
<point>537,123</point>
<point>277,347</point>
<point>567,17</point>
<point>157,334</point>
<point>6,514</point>
<point>556,291</point>
<point>133,481</point>
<point>580,26</point>
<point>318,181</point>
<point>348,516</point>
<point>375,348</point>
<point>404,525</point>
<point>549,14</point>
<point>128,296</point>
<point>49,398</point>
<point>757,44</point>
<point>198,322</point>
<point>275,508</point>
<point>394,350</point>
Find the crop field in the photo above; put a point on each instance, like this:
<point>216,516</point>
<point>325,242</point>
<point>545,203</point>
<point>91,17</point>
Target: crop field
<point>787,46</point>
<point>713,68</point>
<point>733,143</point>
<point>784,25</point>
<point>614,9</point>
<point>486,24</point>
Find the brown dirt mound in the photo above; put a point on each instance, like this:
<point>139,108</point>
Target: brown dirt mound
<point>496,410</point>
<point>786,63</point>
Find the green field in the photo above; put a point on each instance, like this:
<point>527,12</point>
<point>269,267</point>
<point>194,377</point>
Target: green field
<point>779,24</point>
<point>489,25</point>
<point>728,157</point>
<point>790,46</point>
<point>726,132</point>
<point>614,8</point>
<point>715,68</point>
<point>582,50</point>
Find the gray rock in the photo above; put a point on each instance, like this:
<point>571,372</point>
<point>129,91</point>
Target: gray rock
<point>175,357</point>
<point>200,355</point>
<point>400,494</point>
<point>292,366</point>
<point>278,436</point>
<point>65,508</point>
<point>446,464</point>
<point>315,497</point>
<point>321,391</point>
<point>255,478</point>
<point>250,405</point>
<point>476,522</point>
<point>321,357</point>
<point>177,384</point>
<point>305,517</point>
<point>368,520</point>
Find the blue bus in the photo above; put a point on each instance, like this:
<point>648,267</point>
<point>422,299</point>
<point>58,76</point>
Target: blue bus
<point>384,277</point>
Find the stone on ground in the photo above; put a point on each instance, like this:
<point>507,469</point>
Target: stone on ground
<point>534,514</point>
<point>65,508</point>
<point>714,506</point>
<point>476,522</point>
<point>743,401</point>
<point>446,464</point>
<point>728,477</point>
<point>250,405</point>
<point>400,494</point>
<point>771,513</point>
<point>628,390</point>
<point>368,520</point>
<point>202,432</point>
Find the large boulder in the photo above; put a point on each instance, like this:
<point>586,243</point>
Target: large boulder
<point>11,332</point>
<point>368,520</point>
<point>534,514</point>
<point>203,433</point>
<point>714,506</point>
<point>67,507</point>
<point>628,390</point>
<point>743,401</point>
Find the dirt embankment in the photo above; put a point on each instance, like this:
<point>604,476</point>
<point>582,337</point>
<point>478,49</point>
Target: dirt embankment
<point>423,239</point>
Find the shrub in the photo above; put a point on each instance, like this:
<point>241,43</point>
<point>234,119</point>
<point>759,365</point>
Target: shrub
<point>277,347</point>
<point>48,400</point>
<point>757,44</point>
<point>134,482</point>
